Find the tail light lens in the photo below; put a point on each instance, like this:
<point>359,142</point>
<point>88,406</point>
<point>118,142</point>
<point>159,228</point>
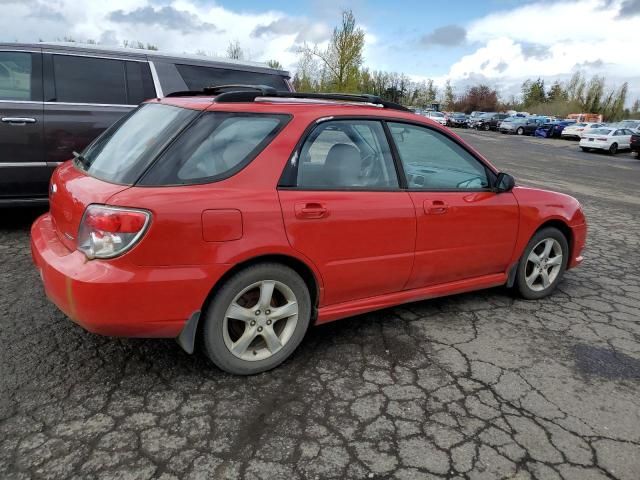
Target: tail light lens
<point>107,232</point>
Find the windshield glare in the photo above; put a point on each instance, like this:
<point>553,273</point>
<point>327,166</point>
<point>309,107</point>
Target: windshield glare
<point>125,150</point>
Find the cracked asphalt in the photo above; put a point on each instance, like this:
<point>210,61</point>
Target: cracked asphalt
<point>476,386</point>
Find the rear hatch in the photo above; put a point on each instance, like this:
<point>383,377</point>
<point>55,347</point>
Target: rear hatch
<point>112,164</point>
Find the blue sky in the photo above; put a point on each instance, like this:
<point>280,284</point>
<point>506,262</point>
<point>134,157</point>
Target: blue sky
<point>498,42</point>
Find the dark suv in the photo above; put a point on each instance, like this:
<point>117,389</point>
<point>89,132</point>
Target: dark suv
<point>55,98</point>
<point>489,121</point>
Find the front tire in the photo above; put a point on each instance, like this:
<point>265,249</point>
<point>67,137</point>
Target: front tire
<point>543,264</point>
<point>520,131</point>
<point>257,319</point>
<point>486,127</point>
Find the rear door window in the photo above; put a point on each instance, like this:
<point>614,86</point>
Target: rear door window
<point>197,77</point>
<point>139,82</point>
<point>346,154</point>
<point>216,146</point>
<point>89,80</point>
<point>16,70</point>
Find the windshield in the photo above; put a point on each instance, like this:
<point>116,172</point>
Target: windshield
<point>600,131</point>
<point>125,150</point>
<point>436,114</point>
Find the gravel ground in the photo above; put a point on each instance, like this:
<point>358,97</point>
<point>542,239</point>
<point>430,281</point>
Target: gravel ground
<point>474,386</point>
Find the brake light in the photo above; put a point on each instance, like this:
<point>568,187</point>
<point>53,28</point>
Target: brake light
<point>602,139</point>
<point>107,232</point>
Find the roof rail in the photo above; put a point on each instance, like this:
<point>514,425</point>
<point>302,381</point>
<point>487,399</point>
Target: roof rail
<point>248,93</point>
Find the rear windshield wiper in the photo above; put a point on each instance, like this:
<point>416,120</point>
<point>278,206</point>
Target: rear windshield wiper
<point>80,159</point>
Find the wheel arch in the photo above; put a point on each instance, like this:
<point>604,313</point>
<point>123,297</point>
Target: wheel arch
<point>564,228</point>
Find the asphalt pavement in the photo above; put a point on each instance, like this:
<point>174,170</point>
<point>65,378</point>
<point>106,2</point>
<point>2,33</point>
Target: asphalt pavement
<point>475,386</point>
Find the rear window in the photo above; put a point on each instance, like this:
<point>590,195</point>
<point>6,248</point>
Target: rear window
<point>126,149</point>
<point>599,131</point>
<point>214,147</point>
<point>197,78</point>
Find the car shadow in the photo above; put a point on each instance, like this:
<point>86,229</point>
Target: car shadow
<point>19,218</point>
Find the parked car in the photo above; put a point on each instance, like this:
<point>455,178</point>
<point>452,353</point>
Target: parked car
<point>575,130</point>
<point>240,220</point>
<point>438,117</point>
<point>520,126</point>
<point>552,129</point>
<point>55,98</point>
<point>635,143</point>
<point>633,125</point>
<point>475,115</point>
<point>488,121</point>
<point>457,119</point>
<point>609,139</point>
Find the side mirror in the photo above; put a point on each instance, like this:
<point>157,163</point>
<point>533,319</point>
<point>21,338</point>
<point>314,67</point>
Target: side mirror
<point>504,182</point>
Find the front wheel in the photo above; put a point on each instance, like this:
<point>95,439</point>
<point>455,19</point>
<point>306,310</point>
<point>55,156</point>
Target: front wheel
<point>486,127</point>
<point>520,131</point>
<point>543,263</point>
<point>257,319</point>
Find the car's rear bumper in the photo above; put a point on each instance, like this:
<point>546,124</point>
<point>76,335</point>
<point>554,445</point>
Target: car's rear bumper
<point>115,298</point>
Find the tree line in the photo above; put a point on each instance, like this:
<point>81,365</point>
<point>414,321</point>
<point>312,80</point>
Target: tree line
<point>340,68</point>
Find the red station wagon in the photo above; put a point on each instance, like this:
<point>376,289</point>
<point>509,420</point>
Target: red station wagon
<point>244,215</point>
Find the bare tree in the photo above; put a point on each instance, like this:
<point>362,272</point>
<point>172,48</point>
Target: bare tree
<point>275,64</point>
<point>342,59</point>
<point>234,51</point>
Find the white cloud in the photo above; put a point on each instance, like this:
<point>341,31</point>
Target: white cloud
<point>176,26</point>
<point>552,41</point>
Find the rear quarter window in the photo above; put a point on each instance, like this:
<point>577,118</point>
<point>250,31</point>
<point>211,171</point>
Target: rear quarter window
<point>197,77</point>
<point>216,146</point>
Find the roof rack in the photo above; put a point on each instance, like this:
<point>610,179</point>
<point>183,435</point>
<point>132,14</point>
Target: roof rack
<point>248,93</point>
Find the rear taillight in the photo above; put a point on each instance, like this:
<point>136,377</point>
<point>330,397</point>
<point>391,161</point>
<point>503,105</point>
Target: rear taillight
<point>601,139</point>
<point>106,232</point>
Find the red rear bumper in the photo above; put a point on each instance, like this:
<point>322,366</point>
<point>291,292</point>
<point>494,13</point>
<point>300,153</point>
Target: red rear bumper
<point>115,298</point>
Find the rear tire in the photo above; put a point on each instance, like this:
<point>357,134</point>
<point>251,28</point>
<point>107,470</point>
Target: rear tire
<point>585,149</point>
<point>486,127</point>
<point>247,329</point>
<point>542,264</point>
<point>520,131</point>
<point>613,149</point>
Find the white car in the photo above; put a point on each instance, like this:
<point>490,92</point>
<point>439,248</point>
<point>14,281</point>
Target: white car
<point>576,130</point>
<point>610,139</point>
<point>437,117</point>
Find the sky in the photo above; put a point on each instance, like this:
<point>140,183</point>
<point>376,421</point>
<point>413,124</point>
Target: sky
<point>499,42</point>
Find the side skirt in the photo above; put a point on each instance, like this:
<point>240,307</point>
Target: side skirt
<point>356,307</point>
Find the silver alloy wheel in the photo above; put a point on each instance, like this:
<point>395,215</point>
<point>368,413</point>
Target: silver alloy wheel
<point>543,264</point>
<point>260,320</point>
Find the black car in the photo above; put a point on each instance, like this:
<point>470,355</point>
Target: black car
<point>489,121</point>
<point>457,119</point>
<point>521,126</point>
<point>55,98</point>
<point>635,143</point>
